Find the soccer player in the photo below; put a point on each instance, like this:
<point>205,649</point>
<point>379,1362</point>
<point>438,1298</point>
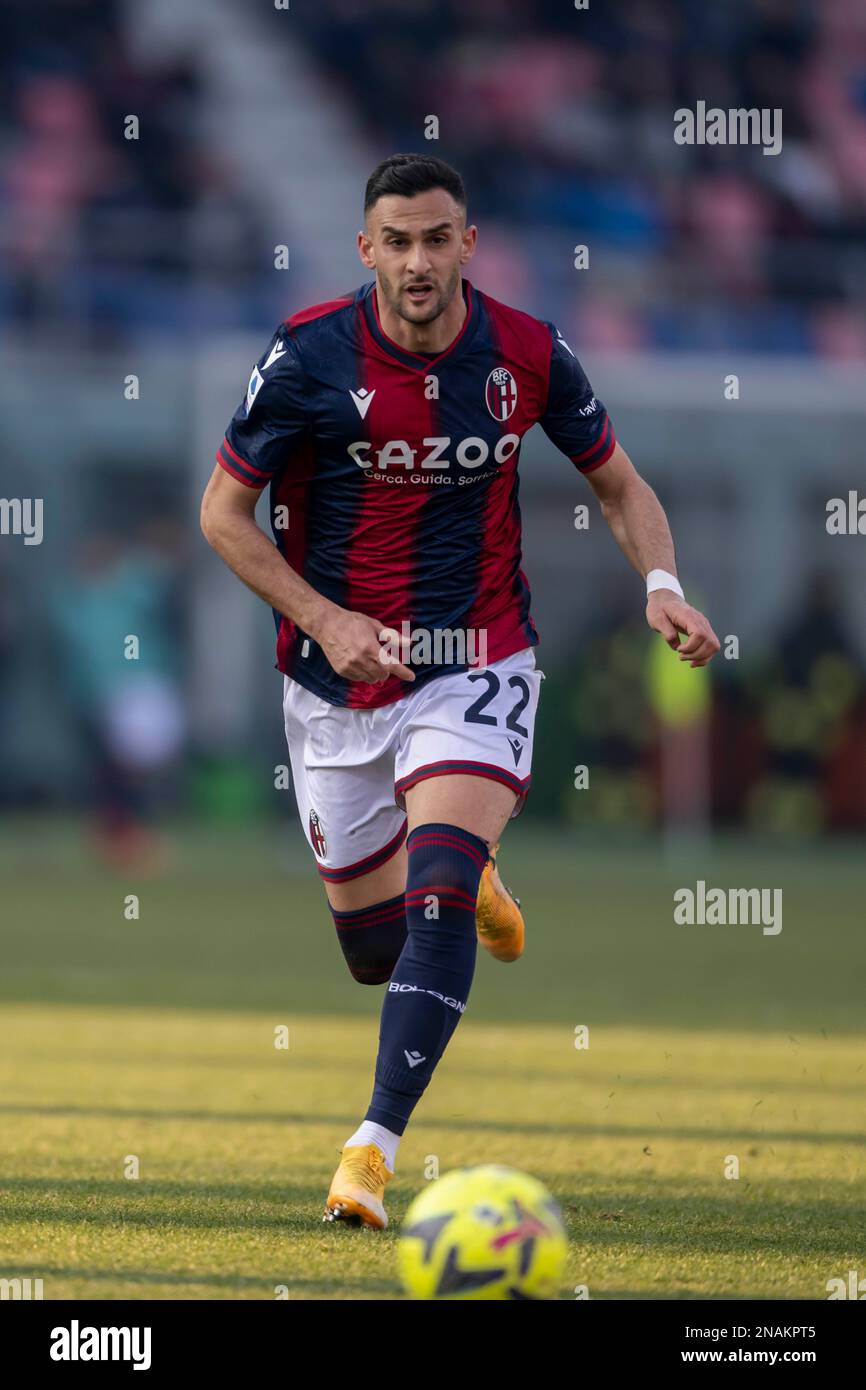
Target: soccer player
<point>387,424</point>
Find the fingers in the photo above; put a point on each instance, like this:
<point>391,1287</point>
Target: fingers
<point>392,644</point>
<point>695,639</point>
<point>671,619</point>
<point>701,644</point>
<point>375,670</point>
<point>704,652</point>
<point>660,622</point>
<point>361,649</point>
<point>396,668</point>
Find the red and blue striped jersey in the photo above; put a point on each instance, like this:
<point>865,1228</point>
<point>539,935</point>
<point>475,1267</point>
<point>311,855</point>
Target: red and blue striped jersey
<point>393,475</point>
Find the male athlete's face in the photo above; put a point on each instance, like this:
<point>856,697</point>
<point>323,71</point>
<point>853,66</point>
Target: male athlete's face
<point>417,247</point>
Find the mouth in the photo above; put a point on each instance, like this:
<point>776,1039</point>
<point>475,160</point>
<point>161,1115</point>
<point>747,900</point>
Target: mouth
<point>419,293</point>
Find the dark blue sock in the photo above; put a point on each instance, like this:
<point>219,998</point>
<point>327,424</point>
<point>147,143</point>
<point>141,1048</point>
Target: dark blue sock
<point>372,938</point>
<point>431,980</point>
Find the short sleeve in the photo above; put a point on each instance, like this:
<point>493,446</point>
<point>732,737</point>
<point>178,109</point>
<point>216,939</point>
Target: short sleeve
<point>574,419</point>
<point>271,420</point>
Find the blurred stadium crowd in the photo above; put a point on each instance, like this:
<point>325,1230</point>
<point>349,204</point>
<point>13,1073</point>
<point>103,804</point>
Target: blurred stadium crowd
<point>562,123</point>
<point>103,236</point>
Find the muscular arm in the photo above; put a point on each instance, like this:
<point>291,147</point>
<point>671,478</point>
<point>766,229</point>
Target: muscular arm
<point>229,525</point>
<point>640,527</point>
<point>350,641</point>
<point>634,514</point>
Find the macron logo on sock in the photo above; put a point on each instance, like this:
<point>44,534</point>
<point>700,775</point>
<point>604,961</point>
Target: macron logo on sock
<point>413,1058</point>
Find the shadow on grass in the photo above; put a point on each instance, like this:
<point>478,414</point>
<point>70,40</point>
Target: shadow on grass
<point>472,1124</point>
<point>655,1221</point>
<point>744,1222</point>
<point>362,1067</point>
<point>217,1281</point>
<point>291,1208</point>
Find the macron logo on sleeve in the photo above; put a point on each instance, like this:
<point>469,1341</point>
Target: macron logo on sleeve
<point>277,351</point>
<point>257,381</point>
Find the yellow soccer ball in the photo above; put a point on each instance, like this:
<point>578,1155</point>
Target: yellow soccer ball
<point>486,1232</point>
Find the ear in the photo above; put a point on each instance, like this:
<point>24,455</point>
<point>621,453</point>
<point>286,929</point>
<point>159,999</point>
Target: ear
<point>470,240</point>
<point>365,250</point>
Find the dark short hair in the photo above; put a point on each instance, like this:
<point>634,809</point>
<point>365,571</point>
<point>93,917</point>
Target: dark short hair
<point>408,174</point>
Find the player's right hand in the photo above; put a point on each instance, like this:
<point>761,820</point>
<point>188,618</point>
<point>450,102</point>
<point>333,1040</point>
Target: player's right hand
<point>362,649</point>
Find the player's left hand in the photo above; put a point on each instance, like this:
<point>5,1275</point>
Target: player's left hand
<point>670,615</point>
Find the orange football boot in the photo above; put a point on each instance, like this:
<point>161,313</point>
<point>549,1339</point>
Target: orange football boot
<point>358,1187</point>
<point>499,923</point>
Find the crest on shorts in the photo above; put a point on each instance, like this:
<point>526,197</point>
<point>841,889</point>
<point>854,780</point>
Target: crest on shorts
<point>317,835</point>
<point>500,393</point>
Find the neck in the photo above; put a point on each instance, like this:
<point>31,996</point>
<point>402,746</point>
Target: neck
<point>423,337</point>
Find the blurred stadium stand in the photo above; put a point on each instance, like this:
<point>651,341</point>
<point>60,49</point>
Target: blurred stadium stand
<point>258,128</point>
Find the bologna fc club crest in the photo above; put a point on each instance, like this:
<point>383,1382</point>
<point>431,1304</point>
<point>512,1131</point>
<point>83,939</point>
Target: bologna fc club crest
<point>500,393</point>
<point>317,835</point>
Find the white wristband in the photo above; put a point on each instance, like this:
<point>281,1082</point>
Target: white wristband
<point>660,579</point>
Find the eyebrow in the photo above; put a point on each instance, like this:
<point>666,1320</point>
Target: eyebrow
<point>427,231</point>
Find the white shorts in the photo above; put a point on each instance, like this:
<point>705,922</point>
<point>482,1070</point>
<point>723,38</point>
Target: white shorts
<point>352,767</point>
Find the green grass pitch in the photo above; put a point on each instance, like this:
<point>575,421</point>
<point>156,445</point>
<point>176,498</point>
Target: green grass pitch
<point>154,1038</point>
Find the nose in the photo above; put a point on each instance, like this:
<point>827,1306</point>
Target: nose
<point>418,263</point>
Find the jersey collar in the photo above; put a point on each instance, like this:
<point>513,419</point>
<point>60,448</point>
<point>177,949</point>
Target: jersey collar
<point>413,359</point>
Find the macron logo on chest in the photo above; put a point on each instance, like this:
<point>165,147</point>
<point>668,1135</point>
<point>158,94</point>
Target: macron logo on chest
<point>362,400</point>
